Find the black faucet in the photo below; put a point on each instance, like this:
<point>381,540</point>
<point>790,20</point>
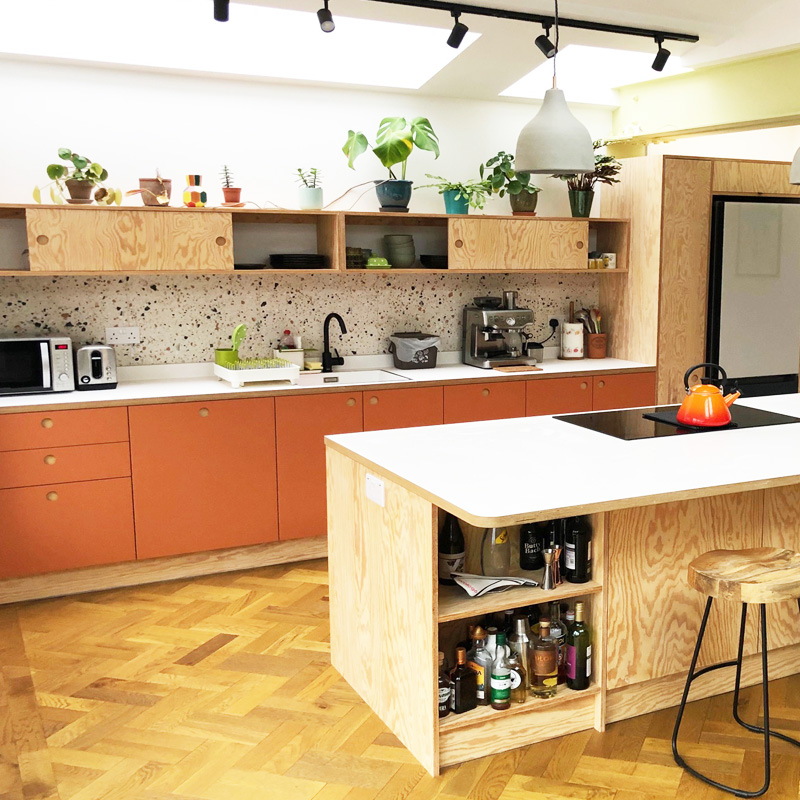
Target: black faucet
<point>329,361</point>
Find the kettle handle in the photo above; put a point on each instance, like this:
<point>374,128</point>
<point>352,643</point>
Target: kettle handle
<point>717,367</point>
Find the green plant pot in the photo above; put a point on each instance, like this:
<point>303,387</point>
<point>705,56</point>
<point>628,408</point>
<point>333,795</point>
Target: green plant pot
<point>524,202</point>
<point>393,195</point>
<point>580,202</point>
<point>453,205</point>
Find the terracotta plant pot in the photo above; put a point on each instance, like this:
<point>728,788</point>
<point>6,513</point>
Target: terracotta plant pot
<point>152,188</point>
<point>232,195</point>
<point>80,190</point>
<point>524,203</point>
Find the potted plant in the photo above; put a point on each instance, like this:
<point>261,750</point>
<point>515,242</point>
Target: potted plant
<point>310,188</point>
<point>459,197</point>
<point>232,194</point>
<point>581,186</point>
<point>79,179</point>
<point>394,143</point>
<point>503,179</point>
<point>154,191</point>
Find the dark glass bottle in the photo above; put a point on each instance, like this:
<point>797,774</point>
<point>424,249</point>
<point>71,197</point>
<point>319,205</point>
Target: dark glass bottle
<point>553,536</point>
<point>451,550</point>
<point>445,688</point>
<point>579,652</point>
<point>531,543</point>
<point>465,684</point>
<point>578,550</point>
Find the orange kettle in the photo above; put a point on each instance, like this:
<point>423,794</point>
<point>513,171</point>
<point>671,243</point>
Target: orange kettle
<point>704,405</point>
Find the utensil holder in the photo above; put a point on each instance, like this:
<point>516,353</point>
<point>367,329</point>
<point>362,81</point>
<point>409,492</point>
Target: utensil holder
<point>225,356</point>
<point>596,345</point>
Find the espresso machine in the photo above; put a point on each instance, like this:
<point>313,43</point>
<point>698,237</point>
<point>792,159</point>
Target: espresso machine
<point>495,336</point>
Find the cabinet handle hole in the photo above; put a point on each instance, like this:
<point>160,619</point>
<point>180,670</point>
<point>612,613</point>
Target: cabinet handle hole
<point>485,392</point>
<point>50,460</point>
<point>584,385</point>
<point>52,496</point>
<point>42,239</point>
<point>580,245</point>
<point>203,412</point>
<point>351,401</point>
<point>601,384</point>
<point>373,401</point>
<point>47,422</point>
<point>221,240</point>
<point>459,243</point>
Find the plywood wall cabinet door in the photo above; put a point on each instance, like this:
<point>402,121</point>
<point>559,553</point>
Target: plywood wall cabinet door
<point>479,401</point>
<point>203,475</point>
<point>302,424</point>
<point>752,177</point>
<point>65,526</point>
<point>403,408</point>
<point>511,244</point>
<point>558,396</point>
<point>127,240</point>
<point>623,391</point>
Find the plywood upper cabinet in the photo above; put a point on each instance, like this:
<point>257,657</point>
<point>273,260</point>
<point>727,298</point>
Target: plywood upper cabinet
<point>127,240</point>
<point>512,244</point>
<point>752,177</point>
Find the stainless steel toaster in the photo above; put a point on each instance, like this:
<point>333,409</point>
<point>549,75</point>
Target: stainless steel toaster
<point>95,367</point>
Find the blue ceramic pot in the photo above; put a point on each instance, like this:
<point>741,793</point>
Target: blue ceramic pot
<point>393,195</point>
<point>453,205</point>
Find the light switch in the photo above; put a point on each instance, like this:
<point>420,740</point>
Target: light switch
<point>376,491</point>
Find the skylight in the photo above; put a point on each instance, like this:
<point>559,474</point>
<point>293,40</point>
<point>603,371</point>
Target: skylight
<point>256,42</point>
<point>591,74</point>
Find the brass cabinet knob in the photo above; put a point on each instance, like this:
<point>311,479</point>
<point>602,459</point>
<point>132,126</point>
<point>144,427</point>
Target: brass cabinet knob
<point>47,422</point>
<point>42,239</point>
<point>351,401</point>
<point>52,496</point>
<point>203,412</point>
<point>584,385</point>
<point>485,392</point>
<point>50,460</point>
<point>601,384</point>
<point>459,243</point>
<point>221,240</point>
<point>373,401</point>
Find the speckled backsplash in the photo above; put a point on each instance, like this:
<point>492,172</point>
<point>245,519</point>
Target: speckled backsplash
<point>182,318</point>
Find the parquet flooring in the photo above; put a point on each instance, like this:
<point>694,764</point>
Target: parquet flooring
<point>220,688</point>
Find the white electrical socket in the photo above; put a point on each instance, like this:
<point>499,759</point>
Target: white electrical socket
<point>122,336</point>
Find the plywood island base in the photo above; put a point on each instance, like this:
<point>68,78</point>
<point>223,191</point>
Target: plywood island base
<point>388,616</point>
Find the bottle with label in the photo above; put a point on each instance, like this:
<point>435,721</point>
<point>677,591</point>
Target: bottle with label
<point>531,544</point>
<point>578,550</point>
<point>545,663</point>
<point>558,633</point>
<point>286,341</point>
<point>445,689</point>
<point>451,550</point>
<point>521,644</point>
<point>519,678</point>
<point>495,553</point>
<point>480,662</point>
<point>579,652</point>
<point>501,676</point>
<point>465,684</point>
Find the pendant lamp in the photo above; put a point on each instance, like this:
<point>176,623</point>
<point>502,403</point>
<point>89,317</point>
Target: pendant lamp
<point>794,174</point>
<point>554,142</point>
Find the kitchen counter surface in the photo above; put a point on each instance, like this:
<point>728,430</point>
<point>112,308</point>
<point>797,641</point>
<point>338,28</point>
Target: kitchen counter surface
<point>186,382</point>
<point>515,470</point>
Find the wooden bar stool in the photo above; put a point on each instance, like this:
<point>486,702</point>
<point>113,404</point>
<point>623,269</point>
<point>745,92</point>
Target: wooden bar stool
<point>761,575</point>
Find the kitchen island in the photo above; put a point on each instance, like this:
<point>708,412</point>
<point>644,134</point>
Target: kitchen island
<point>654,505</point>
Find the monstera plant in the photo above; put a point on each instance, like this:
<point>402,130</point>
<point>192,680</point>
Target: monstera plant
<point>394,143</point>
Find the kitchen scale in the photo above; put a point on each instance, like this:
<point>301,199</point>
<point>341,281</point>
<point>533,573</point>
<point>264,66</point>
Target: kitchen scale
<point>651,423</point>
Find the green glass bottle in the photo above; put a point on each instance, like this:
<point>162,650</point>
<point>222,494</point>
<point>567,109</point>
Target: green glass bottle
<point>579,653</point>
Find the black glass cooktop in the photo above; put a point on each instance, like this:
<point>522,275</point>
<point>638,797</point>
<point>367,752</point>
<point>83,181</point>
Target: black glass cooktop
<point>633,423</point>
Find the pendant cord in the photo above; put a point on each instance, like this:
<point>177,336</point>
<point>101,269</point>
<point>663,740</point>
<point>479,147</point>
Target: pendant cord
<point>555,55</point>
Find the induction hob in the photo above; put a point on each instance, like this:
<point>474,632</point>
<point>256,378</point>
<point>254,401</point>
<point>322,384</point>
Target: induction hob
<point>630,423</point>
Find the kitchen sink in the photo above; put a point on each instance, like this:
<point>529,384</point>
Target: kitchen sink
<point>350,378</point>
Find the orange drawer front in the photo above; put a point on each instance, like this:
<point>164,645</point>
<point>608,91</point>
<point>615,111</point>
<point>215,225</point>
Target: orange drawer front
<point>64,526</point>
<point>30,431</point>
<point>64,464</point>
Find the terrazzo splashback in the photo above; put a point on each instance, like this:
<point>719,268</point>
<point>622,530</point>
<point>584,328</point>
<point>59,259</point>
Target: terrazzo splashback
<point>182,318</point>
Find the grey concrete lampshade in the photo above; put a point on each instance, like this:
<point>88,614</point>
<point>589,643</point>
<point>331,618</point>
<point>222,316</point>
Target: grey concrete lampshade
<point>554,142</point>
<point>794,175</point>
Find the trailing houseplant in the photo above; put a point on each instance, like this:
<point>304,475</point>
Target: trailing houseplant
<point>78,178</point>
<point>459,197</point>
<point>394,143</point>
<point>154,191</point>
<point>231,192</point>
<point>581,186</point>
<point>310,191</point>
<point>500,175</point>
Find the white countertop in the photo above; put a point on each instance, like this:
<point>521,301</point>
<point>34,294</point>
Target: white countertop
<point>511,470</point>
<point>197,381</point>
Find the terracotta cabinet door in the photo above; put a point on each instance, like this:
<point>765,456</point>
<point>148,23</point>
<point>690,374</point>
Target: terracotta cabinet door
<point>624,391</point>
<point>302,424</point>
<point>558,396</point>
<point>203,475</point>
<point>126,240</point>
<point>509,244</point>
<point>65,526</point>
<point>403,408</point>
<point>30,430</point>
<point>480,401</point>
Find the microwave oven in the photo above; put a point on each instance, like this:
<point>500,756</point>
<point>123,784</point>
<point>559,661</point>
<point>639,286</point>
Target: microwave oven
<point>36,366</point>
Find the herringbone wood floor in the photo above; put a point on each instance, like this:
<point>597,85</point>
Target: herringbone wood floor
<point>220,688</point>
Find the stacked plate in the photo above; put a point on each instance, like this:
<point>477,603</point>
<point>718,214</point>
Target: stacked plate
<point>297,261</point>
<point>433,262</point>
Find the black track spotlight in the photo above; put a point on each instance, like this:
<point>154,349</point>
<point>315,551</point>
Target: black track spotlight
<point>660,61</point>
<point>545,45</point>
<point>221,8</point>
<point>326,19</point>
<point>458,33</point>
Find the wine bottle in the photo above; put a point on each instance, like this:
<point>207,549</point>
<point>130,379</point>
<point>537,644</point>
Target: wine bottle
<point>578,551</point>
<point>545,663</point>
<point>445,689</point>
<point>531,544</point>
<point>579,652</point>
<point>480,662</point>
<point>501,676</point>
<point>451,550</point>
<point>465,684</point>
